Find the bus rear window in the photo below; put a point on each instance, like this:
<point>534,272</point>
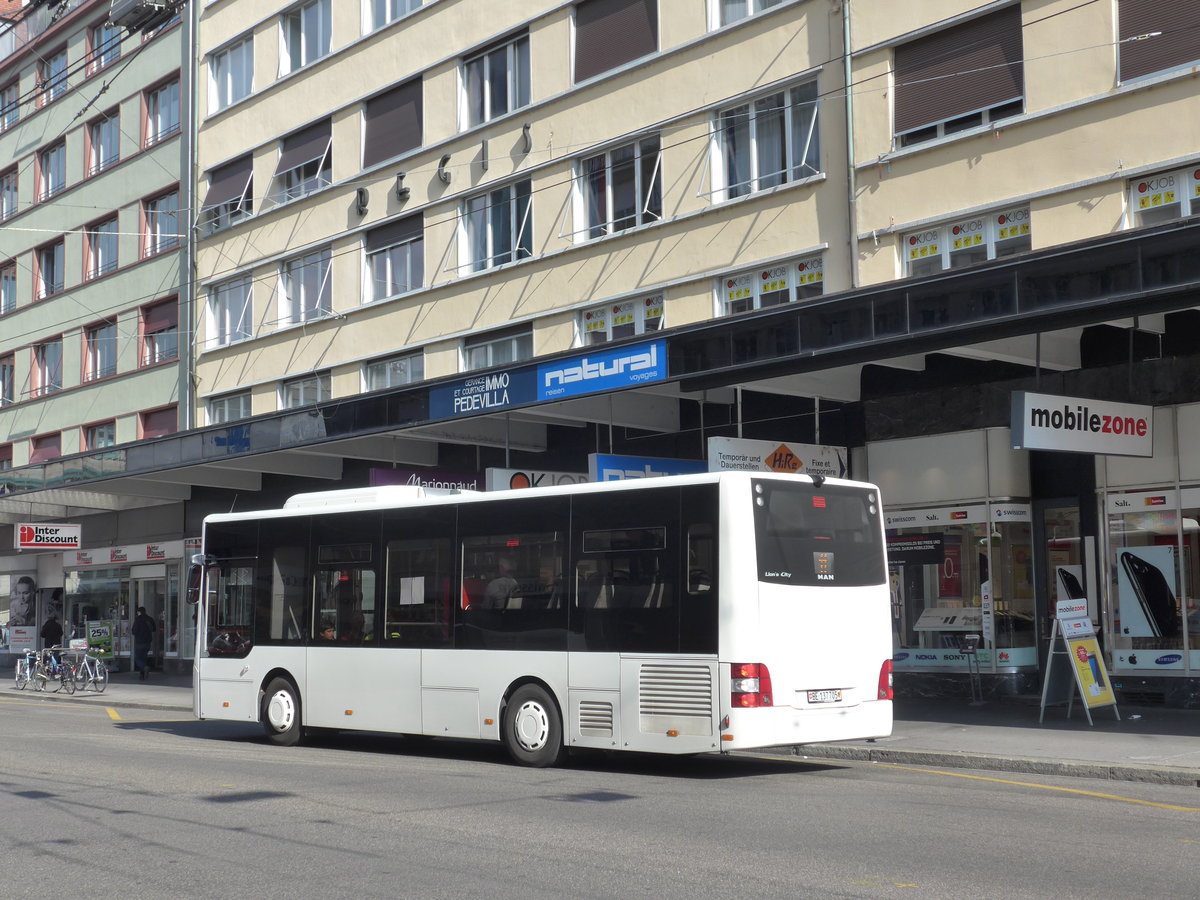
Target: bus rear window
<point>807,535</point>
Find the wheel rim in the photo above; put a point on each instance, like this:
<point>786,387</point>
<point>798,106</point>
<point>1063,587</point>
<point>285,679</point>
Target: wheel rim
<point>281,711</point>
<point>531,726</point>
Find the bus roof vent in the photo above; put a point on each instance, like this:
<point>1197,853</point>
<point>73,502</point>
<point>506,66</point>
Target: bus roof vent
<point>387,495</point>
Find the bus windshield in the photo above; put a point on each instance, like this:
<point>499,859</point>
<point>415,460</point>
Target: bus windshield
<point>809,535</point>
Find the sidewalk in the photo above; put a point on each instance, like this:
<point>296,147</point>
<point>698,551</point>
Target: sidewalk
<point>1150,744</point>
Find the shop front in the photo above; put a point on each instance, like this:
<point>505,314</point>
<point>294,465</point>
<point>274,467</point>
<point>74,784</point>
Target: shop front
<point>104,588</point>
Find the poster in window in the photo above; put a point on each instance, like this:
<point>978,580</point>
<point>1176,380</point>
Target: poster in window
<point>950,582</point>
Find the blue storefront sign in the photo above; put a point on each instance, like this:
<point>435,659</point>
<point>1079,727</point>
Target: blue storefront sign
<point>612,467</point>
<point>603,370</point>
<point>482,393</point>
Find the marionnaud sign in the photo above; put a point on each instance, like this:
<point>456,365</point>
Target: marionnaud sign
<point>610,467</point>
<point>1076,425</point>
<point>482,393</point>
<point>603,370</point>
<point>45,536</point>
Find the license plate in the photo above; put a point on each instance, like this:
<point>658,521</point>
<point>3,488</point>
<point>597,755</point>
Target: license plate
<point>825,696</point>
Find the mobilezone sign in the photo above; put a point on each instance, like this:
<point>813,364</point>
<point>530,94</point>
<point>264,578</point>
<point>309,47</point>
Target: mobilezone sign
<point>1076,425</point>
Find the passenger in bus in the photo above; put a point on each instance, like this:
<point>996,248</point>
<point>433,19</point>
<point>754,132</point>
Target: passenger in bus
<point>325,632</point>
<point>502,588</point>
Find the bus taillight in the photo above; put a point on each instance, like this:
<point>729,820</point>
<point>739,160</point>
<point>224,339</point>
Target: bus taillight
<point>885,680</point>
<point>750,685</point>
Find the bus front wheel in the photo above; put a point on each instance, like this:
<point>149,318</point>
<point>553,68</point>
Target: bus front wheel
<point>281,713</point>
<point>532,727</point>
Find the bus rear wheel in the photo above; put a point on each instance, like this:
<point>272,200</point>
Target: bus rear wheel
<point>532,728</point>
<point>281,713</point>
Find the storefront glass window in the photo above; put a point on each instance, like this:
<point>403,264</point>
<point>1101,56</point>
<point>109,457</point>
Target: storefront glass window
<point>954,573</point>
<point>99,595</point>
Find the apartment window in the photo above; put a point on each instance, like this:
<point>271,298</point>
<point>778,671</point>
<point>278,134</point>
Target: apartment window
<point>306,290</point>
<point>625,318</point>
<point>229,408</point>
<point>1174,45</point>
<point>961,77</point>
<point>229,195</point>
<point>47,367</point>
<point>8,380</point>
<point>1163,197</point>
<point>498,227</point>
<point>105,41</point>
<point>158,422</point>
<point>100,435</point>
<point>797,279</point>
<point>45,447</point>
<point>968,241</point>
<point>393,371</point>
<point>724,12</point>
<point>395,258</point>
<point>496,81</point>
<point>10,105</point>
<point>6,455</point>
<point>610,33</point>
<point>104,140</point>
<point>621,188</point>
<point>304,391</point>
<point>162,223</point>
<point>8,288</point>
<point>392,123</point>
<point>769,141</point>
<point>160,332</point>
<point>52,76</point>
<point>52,170</point>
<point>101,241</point>
<point>230,74</point>
<point>8,194</point>
<point>229,311</point>
<point>162,112</point>
<point>100,349</point>
<point>383,12</point>
<point>303,35</point>
<point>50,269</point>
<point>498,348</point>
<point>305,163</point>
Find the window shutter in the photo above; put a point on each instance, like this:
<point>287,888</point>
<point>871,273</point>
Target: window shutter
<point>160,422</point>
<point>393,123</point>
<point>394,233</point>
<point>610,33</point>
<point>963,69</point>
<point>1178,45</point>
<point>304,146</point>
<point>229,182</point>
<point>160,317</point>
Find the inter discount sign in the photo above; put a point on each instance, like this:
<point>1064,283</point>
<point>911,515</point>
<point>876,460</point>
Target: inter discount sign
<point>46,537</point>
<point>1075,425</point>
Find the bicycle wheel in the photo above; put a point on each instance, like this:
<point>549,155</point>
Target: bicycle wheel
<point>99,675</point>
<point>81,676</point>
<point>22,675</point>
<point>66,679</point>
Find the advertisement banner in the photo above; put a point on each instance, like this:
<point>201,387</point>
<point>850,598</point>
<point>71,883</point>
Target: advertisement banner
<point>516,479</point>
<point>440,479</point>
<point>611,467</point>
<point>45,536</point>
<point>743,454</point>
<point>603,370</point>
<point>481,393</point>
<point>1077,425</point>
<point>100,637</point>
<point>915,550</point>
<point>1094,684</point>
<point>1146,604</point>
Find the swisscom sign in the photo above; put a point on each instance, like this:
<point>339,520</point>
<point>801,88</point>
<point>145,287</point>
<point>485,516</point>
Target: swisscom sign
<point>1076,425</point>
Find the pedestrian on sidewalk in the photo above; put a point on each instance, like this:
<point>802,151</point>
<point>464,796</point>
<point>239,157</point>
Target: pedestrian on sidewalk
<point>143,635</point>
<point>52,635</point>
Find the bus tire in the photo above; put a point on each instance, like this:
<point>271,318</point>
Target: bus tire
<point>281,713</point>
<point>532,728</point>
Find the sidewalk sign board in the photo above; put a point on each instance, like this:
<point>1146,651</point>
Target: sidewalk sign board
<point>1081,649</point>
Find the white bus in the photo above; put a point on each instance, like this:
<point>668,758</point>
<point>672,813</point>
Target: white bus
<point>686,614</point>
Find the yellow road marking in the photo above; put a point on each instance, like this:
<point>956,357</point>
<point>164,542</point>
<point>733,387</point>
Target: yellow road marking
<point>113,714</point>
<point>1044,787</point>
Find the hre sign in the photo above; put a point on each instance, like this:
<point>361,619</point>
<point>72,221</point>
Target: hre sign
<point>43,536</point>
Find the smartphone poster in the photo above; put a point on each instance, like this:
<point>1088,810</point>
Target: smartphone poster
<point>1146,605</point>
<point>1090,673</point>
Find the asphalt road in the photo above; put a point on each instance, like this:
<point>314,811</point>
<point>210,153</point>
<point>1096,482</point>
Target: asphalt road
<point>138,803</point>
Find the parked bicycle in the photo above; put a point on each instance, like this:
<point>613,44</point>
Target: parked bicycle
<point>25,668</point>
<point>48,666</point>
<point>90,671</point>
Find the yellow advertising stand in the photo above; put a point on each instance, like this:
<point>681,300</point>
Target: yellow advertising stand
<point>1081,650</point>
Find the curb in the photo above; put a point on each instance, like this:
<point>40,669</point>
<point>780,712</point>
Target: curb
<point>1028,765</point>
<point>94,699</point>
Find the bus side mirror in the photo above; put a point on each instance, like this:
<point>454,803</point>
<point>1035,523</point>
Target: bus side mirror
<point>196,577</point>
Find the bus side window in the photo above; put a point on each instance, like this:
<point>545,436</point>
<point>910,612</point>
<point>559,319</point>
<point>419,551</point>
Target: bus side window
<point>701,549</point>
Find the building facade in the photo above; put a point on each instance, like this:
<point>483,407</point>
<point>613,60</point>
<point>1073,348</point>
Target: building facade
<point>835,227</point>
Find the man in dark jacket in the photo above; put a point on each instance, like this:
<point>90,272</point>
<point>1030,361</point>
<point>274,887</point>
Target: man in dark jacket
<point>143,635</point>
